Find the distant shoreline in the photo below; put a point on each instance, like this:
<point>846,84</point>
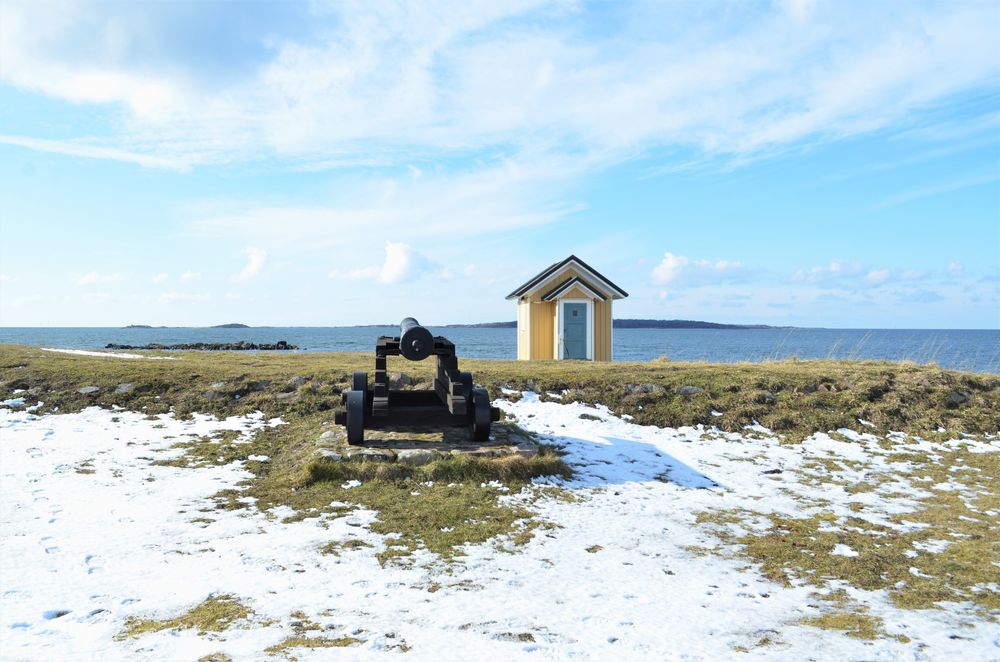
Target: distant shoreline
<point>617,323</point>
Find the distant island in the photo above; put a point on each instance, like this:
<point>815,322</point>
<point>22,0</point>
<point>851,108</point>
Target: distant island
<point>685,324</point>
<point>632,324</point>
<point>231,325</point>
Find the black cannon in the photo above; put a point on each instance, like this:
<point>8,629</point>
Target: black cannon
<point>455,400</point>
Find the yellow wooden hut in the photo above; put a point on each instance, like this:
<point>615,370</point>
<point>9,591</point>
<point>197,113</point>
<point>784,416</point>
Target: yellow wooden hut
<point>565,313</point>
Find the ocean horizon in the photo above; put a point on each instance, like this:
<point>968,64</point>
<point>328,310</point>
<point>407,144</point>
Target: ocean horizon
<point>974,350</point>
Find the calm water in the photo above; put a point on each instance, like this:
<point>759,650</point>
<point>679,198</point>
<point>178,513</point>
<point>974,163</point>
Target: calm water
<point>977,351</point>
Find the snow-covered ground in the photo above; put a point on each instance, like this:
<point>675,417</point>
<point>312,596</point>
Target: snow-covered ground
<point>109,355</point>
<point>93,533</point>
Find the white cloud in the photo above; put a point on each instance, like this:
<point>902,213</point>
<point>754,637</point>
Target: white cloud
<point>94,277</point>
<point>189,276</point>
<point>681,270</point>
<point>91,151</point>
<point>386,82</point>
<point>401,262</point>
<point>913,274</point>
<point>835,271</point>
<point>495,199</point>
<point>877,276</point>
<point>955,267</point>
<point>256,258</point>
<point>160,278</point>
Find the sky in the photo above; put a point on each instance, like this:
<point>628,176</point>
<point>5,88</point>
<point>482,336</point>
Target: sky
<point>791,162</point>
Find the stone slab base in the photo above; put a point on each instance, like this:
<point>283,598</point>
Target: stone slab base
<point>422,447</point>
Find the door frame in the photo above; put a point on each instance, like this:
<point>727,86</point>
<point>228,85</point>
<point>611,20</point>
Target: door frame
<point>560,319</point>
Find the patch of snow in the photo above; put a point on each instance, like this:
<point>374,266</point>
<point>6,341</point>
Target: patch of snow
<point>12,402</point>
<point>110,355</point>
<point>594,586</point>
<point>932,546</point>
<point>350,484</point>
<point>259,458</point>
<point>843,550</point>
<point>716,413</point>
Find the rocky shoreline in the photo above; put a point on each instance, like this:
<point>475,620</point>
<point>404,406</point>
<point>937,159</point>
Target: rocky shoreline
<point>281,345</point>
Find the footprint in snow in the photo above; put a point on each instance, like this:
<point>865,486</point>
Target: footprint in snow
<point>54,613</point>
<point>34,452</point>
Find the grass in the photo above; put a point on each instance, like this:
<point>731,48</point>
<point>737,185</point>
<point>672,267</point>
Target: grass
<point>215,614</point>
<point>462,506</point>
<point>807,395</point>
<point>299,641</point>
<point>946,549</point>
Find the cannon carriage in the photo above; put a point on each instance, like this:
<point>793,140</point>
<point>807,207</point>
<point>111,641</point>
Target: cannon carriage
<point>455,401</point>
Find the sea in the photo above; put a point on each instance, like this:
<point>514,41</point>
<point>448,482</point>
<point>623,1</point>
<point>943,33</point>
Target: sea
<point>970,350</point>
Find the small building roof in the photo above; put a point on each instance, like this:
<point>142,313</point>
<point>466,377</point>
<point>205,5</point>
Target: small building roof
<point>595,282</point>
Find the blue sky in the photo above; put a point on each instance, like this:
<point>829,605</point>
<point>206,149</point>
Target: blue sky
<point>792,162</point>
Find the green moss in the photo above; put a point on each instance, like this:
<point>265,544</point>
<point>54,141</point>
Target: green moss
<point>215,614</point>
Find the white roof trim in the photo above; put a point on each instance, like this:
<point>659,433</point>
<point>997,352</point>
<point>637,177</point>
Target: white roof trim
<point>575,282</point>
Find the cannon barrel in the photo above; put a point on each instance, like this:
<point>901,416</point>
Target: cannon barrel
<point>415,342</point>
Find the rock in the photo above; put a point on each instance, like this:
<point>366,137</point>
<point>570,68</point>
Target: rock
<point>417,456</point>
<point>211,395</point>
<point>689,390</point>
<point>811,388</point>
<point>287,397</point>
<point>765,398</point>
<point>527,449</point>
<point>210,346</point>
<point>87,390</point>
<point>483,451</point>
<point>370,455</point>
<point>260,385</point>
<point>327,454</point>
<point>398,380</point>
<point>329,435</point>
<point>297,382</point>
<point>956,398</point>
<point>127,387</point>
<point>633,389</point>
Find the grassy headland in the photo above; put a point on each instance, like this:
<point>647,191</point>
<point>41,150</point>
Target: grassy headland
<point>793,398</point>
<point>457,502</point>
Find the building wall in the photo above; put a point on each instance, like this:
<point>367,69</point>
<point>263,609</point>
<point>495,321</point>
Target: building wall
<point>543,324</point>
<point>522,330</point>
<point>540,323</point>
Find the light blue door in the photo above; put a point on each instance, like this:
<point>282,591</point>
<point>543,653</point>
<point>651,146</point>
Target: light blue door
<point>574,330</point>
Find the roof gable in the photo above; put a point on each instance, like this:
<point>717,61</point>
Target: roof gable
<point>597,281</point>
<point>564,287</point>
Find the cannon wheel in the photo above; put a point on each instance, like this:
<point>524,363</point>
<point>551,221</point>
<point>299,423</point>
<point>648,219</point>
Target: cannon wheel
<point>466,379</point>
<point>480,427</point>
<point>359,381</point>
<point>355,417</point>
